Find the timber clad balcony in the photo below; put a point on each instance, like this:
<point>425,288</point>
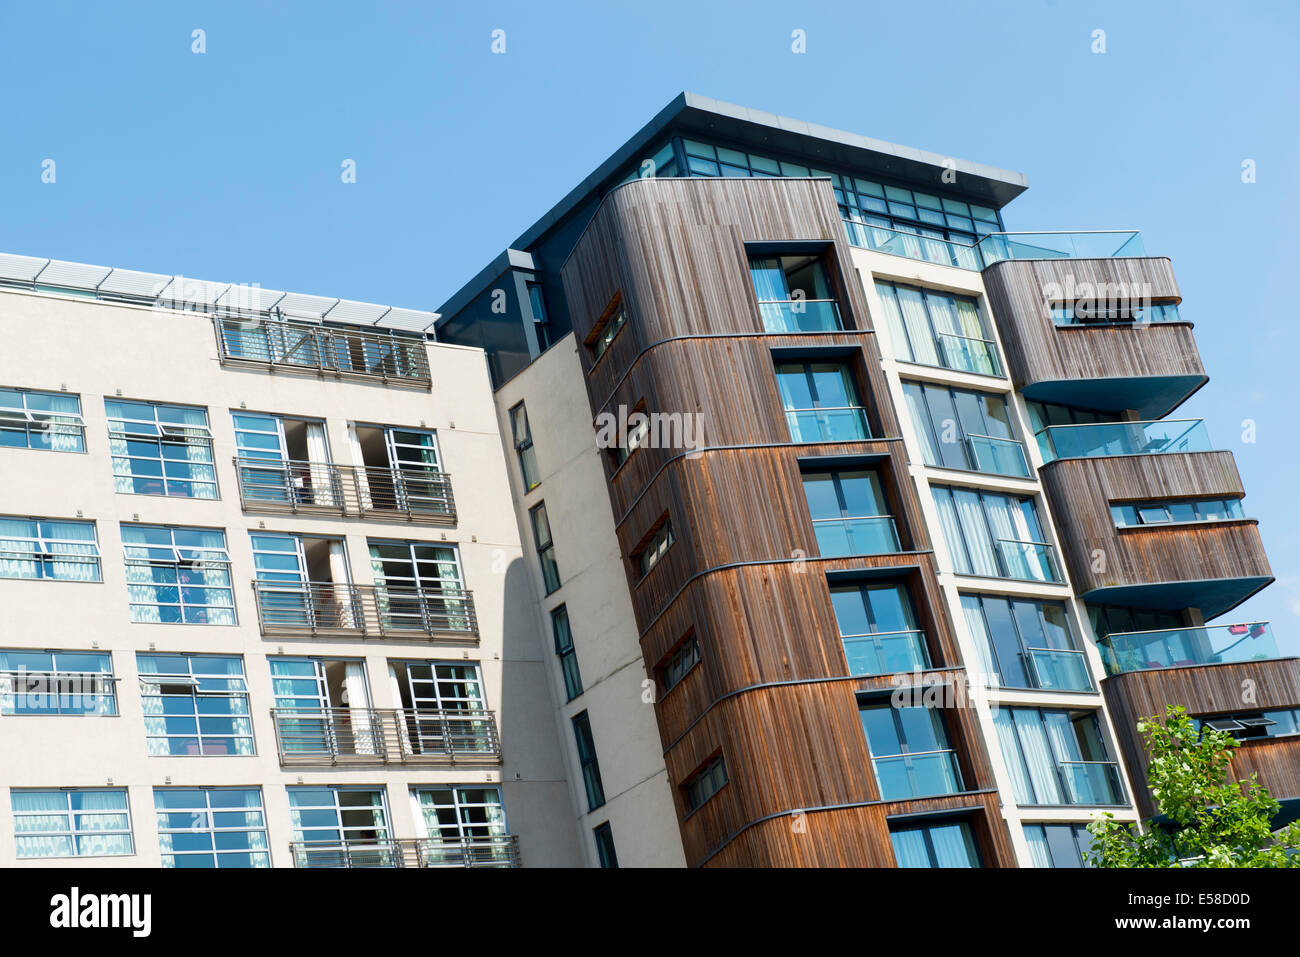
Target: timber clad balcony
<point>1188,647</point>
<point>494,851</point>
<point>406,494</point>
<point>304,347</point>
<point>368,611</point>
<point>369,736</point>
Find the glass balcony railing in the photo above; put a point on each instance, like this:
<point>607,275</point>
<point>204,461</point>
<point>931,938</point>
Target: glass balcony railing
<point>995,247</point>
<point>919,774</point>
<point>800,315</point>
<point>886,652</point>
<point>968,354</point>
<point>997,456</point>
<point>1092,782</point>
<point>843,424</point>
<point>865,535</point>
<point>1100,439</point>
<point>1028,561</point>
<point>911,246</point>
<point>1188,647</point>
<point>1059,669</point>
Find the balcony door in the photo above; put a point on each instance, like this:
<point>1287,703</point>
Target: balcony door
<point>464,825</point>
<point>443,704</point>
<point>877,626</point>
<point>821,402</point>
<point>400,468</point>
<point>323,707</point>
<point>1057,757</point>
<point>909,747</point>
<point>284,460</point>
<point>304,581</point>
<point>419,586</point>
<point>850,514</point>
<point>341,827</point>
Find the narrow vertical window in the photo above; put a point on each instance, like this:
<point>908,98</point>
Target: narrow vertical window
<point>545,547</point>
<point>588,762</point>
<point>564,650</point>
<point>523,439</point>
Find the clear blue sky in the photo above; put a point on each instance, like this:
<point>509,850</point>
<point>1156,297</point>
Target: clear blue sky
<point>226,165</point>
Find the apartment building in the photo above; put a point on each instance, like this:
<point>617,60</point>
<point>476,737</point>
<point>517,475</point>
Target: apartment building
<point>929,537</point>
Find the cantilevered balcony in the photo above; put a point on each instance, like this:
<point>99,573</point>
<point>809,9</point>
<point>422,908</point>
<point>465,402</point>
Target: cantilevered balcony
<point>488,851</point>
<point>1101,439</point>
<point>310,609</point>
<point>403,494</point>
<point>365,737</point>
<point>1189,647</point>
<point>333,351</point>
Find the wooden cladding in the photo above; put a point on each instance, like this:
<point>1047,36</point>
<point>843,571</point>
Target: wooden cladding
<point>1040,351</point>
<point>1208,690</point>
<point>1080,492</point>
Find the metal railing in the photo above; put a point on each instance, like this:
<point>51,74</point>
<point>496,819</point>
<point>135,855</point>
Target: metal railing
<point>363,736</point>
<point>277,485</point>
<point>1188,647</point>
<point>499,850</point>
<point>828,424</point>
<point>323,350</point>
<point>886,652</point>
<point>1100,439</point>
<point>291,609</point>
<point>800,315</point>
<point>918,774</point>
<point>861,535</point>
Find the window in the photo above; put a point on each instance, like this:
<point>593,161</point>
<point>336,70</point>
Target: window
<point>994,535</point>
<point>606,330</point>
<point>178,575</point>
<point>794,293</point>
<point>821,402</point>
<point>1127,514</point>
<point>523,438</point>
<point>1107,311</point>
<point>909,748</point>
<point>340,827</point>
<point>56,682</point>
<point>48,548</point>
<point>71,822</point>
<point>604,836</point>
<point>420,587</point>
<point>545,547</point>
<point>937,329</point>
<point>877,625</point>
<point>1057,757</point>
<point>1254,724</point>
<point>160,449</point>
<point>679,662</point>
<point>630,439</point>
<point>588,762</point>
<point>1112,619</point>
<point>50,421</point>
<point>661,539</point>
<point>195,704</point>
<point>850,514</point>
<point>465,825</point>
<point>961,429</point>
<point>564,649</point>
<point>1058,845</point>
<point>285,460</point>
<point>662,163</point>
<point>1027,644</point>
<point>537,302</point>
<point>934,845</point>
<point>705,783</point>
<point>212,827</point>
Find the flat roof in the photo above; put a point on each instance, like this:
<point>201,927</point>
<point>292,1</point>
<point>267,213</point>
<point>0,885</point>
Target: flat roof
<point>181,292</point>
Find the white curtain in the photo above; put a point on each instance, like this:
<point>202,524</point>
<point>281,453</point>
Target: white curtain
<point>970,606</point>
<point>918,327</point>
<point>1038,756</point>
<point>971,514</point>
<point>1010,745</point>
<point>1037,840</point>
<point>318,454</point>
<point>349,613</point>
<point>899,347</point>
<point>359,461</point>
<point>920,416</point>
<point>102,811</point>
<point>15,536</point>
<point>354,681</point>
<point>951,530</point>
<point>909,848</point>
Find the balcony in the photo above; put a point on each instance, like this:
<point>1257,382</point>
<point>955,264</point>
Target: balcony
<point>865,535</point>
<point>800,315</point>
<point>368,736</point>
<point>886,652</point>
<point>911,246</point>
<point>312,609</point>
<point>997,456</point>
<point>968,354</point>
<point>495,851</point>
<point>996,247</point>
<point>828,424</point>
<point>1188,647</point>
<point>1058,669</point>
<point>301,347</point>
<point>1027,561</point>
<point>918,774</point>
<point>1103,439</point>
<point>1095,783</point>
<point>412,495</point>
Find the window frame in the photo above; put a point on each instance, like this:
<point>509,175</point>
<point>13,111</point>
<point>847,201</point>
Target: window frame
<point>160,433</point>
<point>551,581</point>
<point>707,774</point>
<point>194,681</point>
<point>208,812</point>
<point>565,651</point>
<point>525,451</point>
<point>10,415</point>
<point>588,760</point>
<point>72,833</point>
<point>54,675</point>
<point>177,558</point>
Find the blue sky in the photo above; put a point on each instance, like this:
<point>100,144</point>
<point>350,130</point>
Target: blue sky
<point>226,165</point>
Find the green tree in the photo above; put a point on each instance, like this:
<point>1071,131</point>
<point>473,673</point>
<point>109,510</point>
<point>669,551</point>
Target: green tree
<point>1210,820</point>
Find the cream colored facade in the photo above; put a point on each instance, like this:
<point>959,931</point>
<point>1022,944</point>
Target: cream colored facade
<point>95,349</point>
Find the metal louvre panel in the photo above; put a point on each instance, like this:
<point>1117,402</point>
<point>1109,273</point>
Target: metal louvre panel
<point>75,275</point>
<point>20,268</point>
<point>127,282</point>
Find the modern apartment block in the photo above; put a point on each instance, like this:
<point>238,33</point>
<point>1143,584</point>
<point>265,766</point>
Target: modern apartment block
<point>766,503</point>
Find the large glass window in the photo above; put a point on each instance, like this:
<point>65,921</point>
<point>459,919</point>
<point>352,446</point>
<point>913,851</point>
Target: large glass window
<point>464,824</point>
<point>71,822</point>
<point>160,449</point>
<point>937,329</point>
<point>178,575</point>
<point>41,420</point>
<point>994,535</point>
<point>909,748</point>
<point>1058,845</point>
<point>420,586</point>
<point>877,626</point>
<point>566,653</point>
<point>1027,644</point>
<point>48,548</point>
<point>794,293</point>
<point>211,827</point>
<point>56,682</point>
<point>934,845</point>
<point>850,514</point>
<point>286,461</point>
<point>821,402</point>
<point>1128,514</point>
<point>588,761</point>
<point>962,429</point>
<point>1057,757</point>
<point>523,439</point>
<point>195,704</point>
<point>340,827</point>
<point>545,547</point>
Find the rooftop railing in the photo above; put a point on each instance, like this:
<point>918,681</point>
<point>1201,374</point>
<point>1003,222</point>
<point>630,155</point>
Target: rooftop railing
<point>995,247</point>
<point>1188,647</point>
<point>295,610</point>
<point>323,350</point>
<point>410,494</point>
<point>498,850</point>
<point>1101,439</point>
<point>366,736</point>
